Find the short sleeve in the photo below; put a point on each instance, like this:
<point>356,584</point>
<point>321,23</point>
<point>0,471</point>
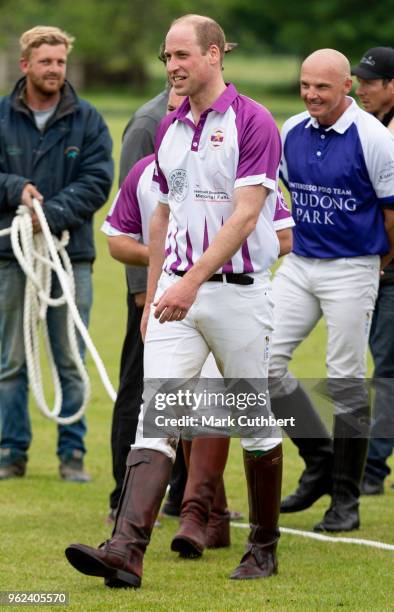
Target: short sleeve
<point>124,216</point>
<point>259,147</point>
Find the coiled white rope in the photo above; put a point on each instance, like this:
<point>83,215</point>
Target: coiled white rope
<point>39,254</point>
<point>326,538</point>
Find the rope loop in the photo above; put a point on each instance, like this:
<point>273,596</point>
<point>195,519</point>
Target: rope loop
<point>39,255</point>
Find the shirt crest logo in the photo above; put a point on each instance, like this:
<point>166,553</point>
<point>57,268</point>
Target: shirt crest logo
<point>71,152</point>
<point>179,185</point>
<point>217,138</point>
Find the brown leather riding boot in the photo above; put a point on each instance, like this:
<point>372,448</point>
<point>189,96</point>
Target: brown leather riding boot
<point>207,462</point>
<point>119,560</point>
<point>218,528</point>
<point>264,479</point>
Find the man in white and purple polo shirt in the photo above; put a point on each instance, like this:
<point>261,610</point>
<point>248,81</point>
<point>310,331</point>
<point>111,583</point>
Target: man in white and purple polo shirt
<point>126,224</point>
<point>212,241</point>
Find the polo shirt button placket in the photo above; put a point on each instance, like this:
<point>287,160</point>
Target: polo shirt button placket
<point>321,144</point>
<point>196,138</point>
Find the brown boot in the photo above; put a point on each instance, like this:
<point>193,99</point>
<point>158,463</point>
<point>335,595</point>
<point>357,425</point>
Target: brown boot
<point>207,462</point>
<point>119,560</point>
<point>264,479</point>
<point>218,528</point>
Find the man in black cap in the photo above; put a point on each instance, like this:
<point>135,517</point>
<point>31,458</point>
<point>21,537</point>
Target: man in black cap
<point>375,74</point>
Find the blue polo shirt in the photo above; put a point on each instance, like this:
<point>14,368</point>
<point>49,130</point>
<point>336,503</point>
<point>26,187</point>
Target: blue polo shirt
<point>339,178</point>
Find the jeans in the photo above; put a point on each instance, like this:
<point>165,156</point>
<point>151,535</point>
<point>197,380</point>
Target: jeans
<point>15,425</point>
<point>382,348</point>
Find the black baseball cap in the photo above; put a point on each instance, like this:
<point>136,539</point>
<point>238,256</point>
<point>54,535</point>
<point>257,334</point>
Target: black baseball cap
<point>376,63</point>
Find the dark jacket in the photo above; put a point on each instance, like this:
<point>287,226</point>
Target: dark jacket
<point>69,162</point>
<point>388,276</point>
<point>139,141</point>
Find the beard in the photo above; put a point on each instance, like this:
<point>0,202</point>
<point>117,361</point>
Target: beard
<point>47,86</point>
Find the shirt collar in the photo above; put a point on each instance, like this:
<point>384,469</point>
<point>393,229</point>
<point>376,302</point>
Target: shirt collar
<point>225,100</point>
<point>388,117</point>
<point>221,105</point>
<point>344,121</point>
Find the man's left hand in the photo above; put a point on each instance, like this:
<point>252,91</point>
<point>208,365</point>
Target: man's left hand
<point>175,303</point>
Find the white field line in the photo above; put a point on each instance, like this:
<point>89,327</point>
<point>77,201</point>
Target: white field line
<point>326,538</point>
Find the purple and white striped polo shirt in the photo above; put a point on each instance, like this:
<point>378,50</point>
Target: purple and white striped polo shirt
<point>135,202</point>
<point>198,167</point>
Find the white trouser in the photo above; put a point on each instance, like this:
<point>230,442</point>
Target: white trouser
<point>232,321</point>
<point>342,290</point>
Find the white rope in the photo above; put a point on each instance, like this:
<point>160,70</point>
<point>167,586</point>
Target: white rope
<point>326,538</point>
<point>39,255</point>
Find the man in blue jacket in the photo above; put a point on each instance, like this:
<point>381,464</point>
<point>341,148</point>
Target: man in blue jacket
<point>56,148</point>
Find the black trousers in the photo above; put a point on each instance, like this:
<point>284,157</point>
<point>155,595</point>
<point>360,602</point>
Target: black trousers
<point>127,408</point>
<point>128,402</point>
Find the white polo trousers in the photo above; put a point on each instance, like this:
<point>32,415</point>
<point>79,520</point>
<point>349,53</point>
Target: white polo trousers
<point>232,321</point>
<point>344,292</point>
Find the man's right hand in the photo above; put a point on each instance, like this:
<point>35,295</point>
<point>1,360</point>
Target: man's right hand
<point>29,192</point>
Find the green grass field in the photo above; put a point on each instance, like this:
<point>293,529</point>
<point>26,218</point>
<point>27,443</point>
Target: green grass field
<point>40,516</point>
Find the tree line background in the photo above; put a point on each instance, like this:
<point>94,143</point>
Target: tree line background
<point>115,38</point>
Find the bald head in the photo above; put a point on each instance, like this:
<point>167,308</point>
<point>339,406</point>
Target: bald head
<point>328,59</point>
<point>325,83</point>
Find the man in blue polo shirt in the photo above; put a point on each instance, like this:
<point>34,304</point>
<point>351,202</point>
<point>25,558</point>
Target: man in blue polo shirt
<point>338,164</point>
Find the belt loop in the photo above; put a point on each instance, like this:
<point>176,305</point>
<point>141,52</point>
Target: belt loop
<point>224,276</point>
